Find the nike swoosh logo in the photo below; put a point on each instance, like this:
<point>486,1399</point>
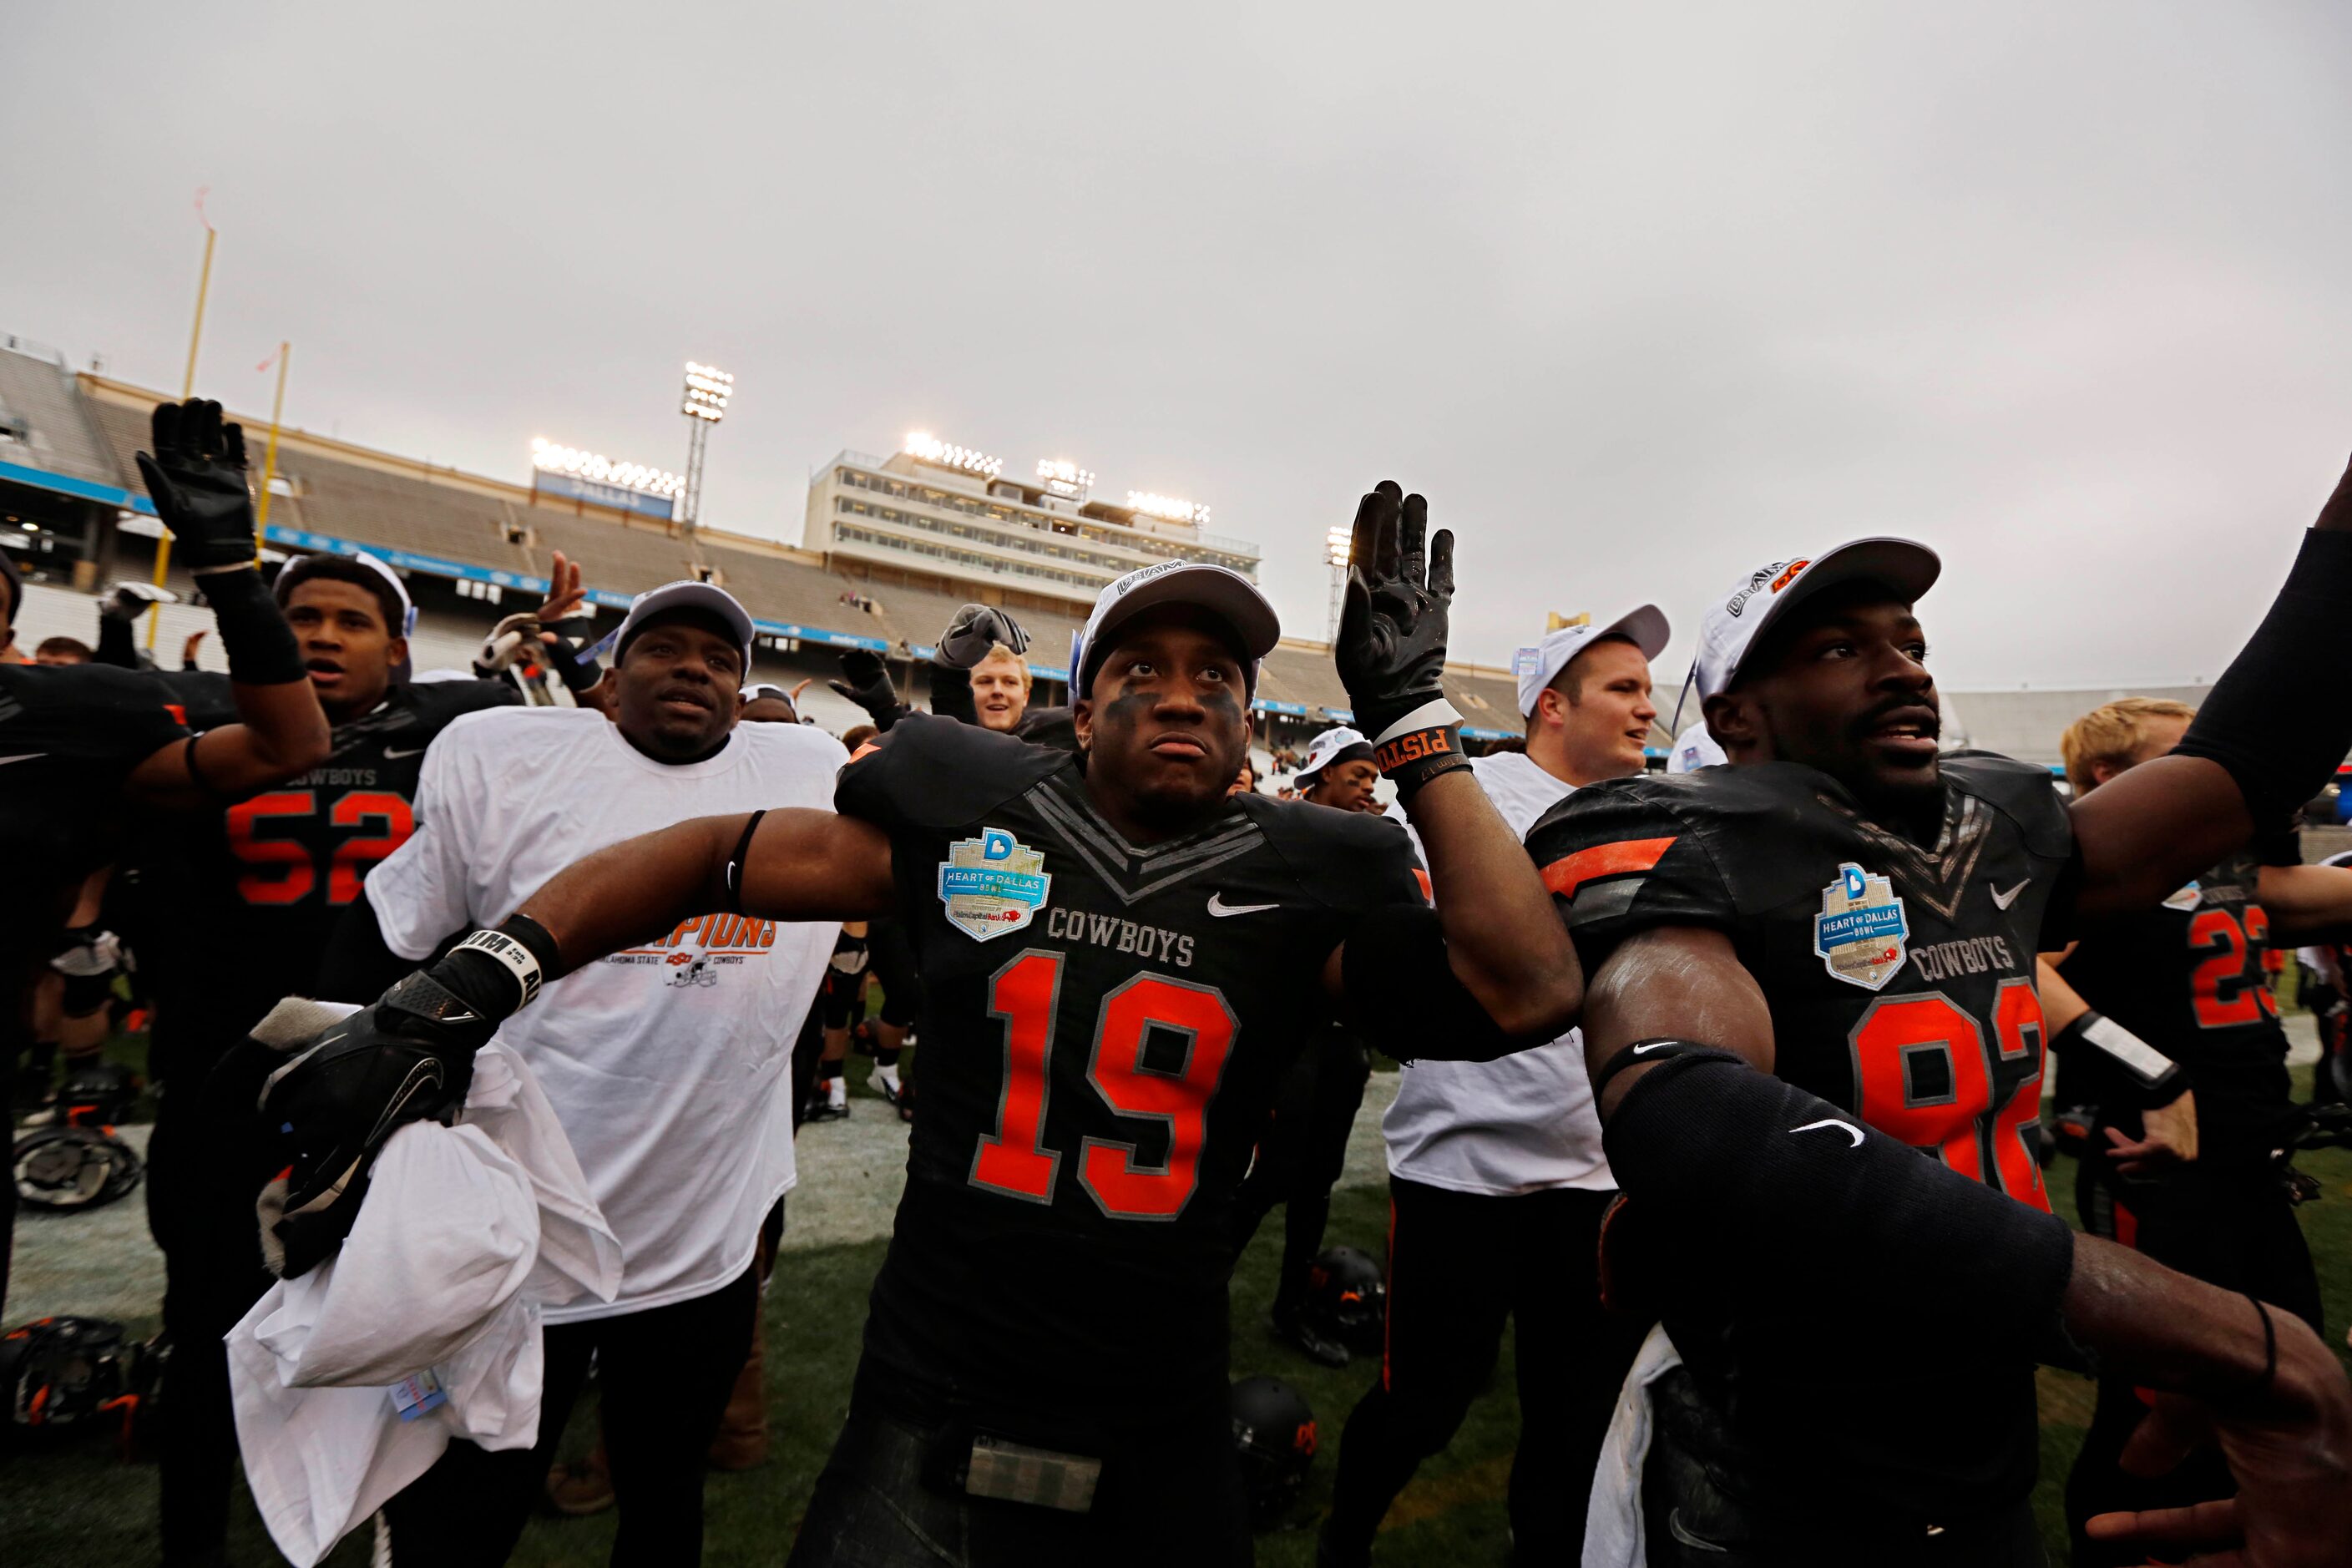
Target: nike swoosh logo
<point>419,751</point>
<point>1217,906</point>
<point>22,757</point>
<point>2001,900</point>
<point>1653,1046</point>
<point>1848,1128</point>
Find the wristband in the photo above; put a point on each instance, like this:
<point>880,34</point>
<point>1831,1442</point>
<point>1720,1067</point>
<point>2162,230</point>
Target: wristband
<point>253,630</point>
<point>2156,1077</point>
<point>1420,746</point>
<point>517,960</point>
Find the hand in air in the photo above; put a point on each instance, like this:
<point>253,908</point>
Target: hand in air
<point>1392,644</point>
<point>974,630</point>
<point>195,476</point>
<point>565,595</point>
<point>866,682</point>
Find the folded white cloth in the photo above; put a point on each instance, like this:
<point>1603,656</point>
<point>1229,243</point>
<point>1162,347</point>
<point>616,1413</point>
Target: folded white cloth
<point>349,1382</point>
<point>1612,1524</point>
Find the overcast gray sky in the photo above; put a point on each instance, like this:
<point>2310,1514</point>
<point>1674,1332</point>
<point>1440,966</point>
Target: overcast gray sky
<point>1639,296</point>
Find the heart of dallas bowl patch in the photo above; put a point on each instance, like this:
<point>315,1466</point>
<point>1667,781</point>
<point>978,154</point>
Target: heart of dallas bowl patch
<point>1861,929</point>
<point>992,885</point>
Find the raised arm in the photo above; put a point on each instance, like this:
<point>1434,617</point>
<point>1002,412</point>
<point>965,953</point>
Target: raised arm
<point>1740,1172</point>
<point>197,478</point>
<point>2267,739</point>
<point>1502,946</point>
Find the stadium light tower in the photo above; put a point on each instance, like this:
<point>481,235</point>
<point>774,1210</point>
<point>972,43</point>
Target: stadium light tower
<point>704,404</point>
<point>1336,546</point>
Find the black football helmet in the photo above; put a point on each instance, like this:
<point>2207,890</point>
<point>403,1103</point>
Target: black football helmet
<point>1348,1298</point>
<point>54,1371</point>
<point>1273,1433</point>
<point>58,1169</point>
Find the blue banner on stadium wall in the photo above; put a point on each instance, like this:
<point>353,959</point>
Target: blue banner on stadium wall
<point>572,488</point>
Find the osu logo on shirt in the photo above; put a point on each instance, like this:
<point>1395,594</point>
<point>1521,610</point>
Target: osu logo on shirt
<point>702,946</point>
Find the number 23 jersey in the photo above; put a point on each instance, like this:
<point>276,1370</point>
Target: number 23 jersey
<point>1900,980</point>
<point>1104,1026</point>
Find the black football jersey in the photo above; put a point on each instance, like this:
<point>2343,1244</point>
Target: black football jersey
<point>273,873</point>
<point>1104,1027</point>
<point>69,737</point>
<point>1901,984</point>
<point>2192,978</point>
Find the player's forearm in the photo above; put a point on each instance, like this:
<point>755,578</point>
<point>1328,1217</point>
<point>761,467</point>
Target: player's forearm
<point>2167,1330</point>
<point>2307,900</point>
<point>636,890</point>
<point>2061,1003</point>
<point>1502,939</point>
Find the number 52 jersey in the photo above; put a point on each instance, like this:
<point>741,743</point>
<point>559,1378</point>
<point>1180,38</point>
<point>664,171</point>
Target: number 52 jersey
<point>1900,979</point>
<point>1104,1024</point>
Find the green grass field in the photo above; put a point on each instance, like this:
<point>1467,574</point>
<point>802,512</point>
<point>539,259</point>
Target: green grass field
<point>75,1505</point>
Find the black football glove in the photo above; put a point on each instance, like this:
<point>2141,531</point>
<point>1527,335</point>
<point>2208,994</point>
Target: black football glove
<point>1391,645</point>
<point>868,685</point>
<point>195,477</point>
<point>409,1058</point>
<point>976,629</point>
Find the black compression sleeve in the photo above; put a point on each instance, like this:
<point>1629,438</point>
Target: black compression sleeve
<point>1785,1208</point>
<point>2280,719</point>
<point>1403,997</point>
<point>253,630</point>
<point>115,644</point>
<point>952,694</point>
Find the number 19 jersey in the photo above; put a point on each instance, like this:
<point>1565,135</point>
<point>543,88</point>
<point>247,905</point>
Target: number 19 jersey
<point>1900,978</point>
<point>1104,1026</point>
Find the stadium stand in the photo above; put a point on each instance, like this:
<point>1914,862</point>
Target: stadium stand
<point>484,539</point>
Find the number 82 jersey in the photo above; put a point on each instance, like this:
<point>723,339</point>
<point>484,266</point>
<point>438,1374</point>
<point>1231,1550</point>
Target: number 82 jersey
<point>1103,1027</point>
<point>1901,983</point>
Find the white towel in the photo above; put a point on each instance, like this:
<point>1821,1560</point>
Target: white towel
<point>466,1233</point>
<point>1612,1524</point>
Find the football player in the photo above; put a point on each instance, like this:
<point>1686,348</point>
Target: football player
<point>1119,959</point>
<point>1497,1181</point>
<point>273,873</point>
<point>2165,1008</point>
<point>85,747</point>
<point>1815,1043</point>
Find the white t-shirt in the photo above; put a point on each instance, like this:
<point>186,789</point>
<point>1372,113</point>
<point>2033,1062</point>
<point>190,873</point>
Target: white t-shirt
<point>1523,1123</point>
<point>669,1065</point>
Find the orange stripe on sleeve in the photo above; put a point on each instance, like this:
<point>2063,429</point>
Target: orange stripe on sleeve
<point>1567,874</point>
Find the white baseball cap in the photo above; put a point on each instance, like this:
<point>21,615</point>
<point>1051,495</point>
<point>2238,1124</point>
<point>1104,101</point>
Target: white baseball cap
<point>1220,590</point>
<point>686,595</point>
<point>1694,749</point>
<point>1539,666</point>
<point>1733,623</point>
<point>1325,749</point>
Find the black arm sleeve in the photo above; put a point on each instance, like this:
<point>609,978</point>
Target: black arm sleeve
<point>1403,997</point>
<point>952,694</point>
<point>115,644</point>
<point>359,966</point>
<point>2280,719</point>
<point>253,630</point>
<point>1747,1175</point>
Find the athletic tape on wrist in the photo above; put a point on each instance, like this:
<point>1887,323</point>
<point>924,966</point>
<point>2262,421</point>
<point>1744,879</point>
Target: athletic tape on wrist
<point>517,960</point>
<point>1420,746</point>
<point>2157,1075</point>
